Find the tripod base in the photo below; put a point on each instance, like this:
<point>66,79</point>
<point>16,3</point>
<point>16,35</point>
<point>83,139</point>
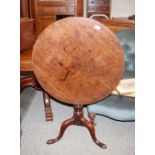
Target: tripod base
<point>77,119</point>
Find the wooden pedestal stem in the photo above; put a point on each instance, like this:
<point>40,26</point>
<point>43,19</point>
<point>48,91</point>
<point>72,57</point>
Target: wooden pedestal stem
<point>77,119</point>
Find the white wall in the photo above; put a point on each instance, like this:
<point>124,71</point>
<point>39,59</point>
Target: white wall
<point>85,8</point>
<point>122,8</point>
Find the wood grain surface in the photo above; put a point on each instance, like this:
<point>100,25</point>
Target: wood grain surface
<point>78,60</point>
<point>116,24</point>
<point>26,60</point>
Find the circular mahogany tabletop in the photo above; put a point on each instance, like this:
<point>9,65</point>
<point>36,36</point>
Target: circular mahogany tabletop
<point>78,60</point>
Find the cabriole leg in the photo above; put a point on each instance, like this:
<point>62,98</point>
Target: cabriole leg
<point>77,119</point>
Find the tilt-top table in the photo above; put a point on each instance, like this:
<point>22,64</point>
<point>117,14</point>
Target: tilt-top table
<point>78,61</point>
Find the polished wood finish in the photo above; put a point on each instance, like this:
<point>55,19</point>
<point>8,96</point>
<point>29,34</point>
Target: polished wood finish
<point>44,21</point>
<point>77,119</point>
<point>24,8</point>
<point>79,7</point>
<point>26,60</point>
<point>91,117</point>
<point>52,8</point>
<point>116,24</point>
<point>113,25</point>
<point>98,7</point>
<point>27,25</point>
<point>27,82</point>
<point>79,66</point>
<point>27,33</point>
<point>46,12</point>
<point>32,8</point>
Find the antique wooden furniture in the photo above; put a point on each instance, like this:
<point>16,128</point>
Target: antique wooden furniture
<point>116,24</point>
<point>98,7</point>
<point>26,60</point>
<point>24,9</point>
<point>46,12</point>
<point>123,107</point>
<point>27,33</point>
<point>79,66</point>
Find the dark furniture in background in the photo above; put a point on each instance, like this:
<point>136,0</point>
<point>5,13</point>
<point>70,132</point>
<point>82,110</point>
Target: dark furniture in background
<point>24,9</point>
<point>46,12</point>
<point>98,7</point>
<point>27,33</point>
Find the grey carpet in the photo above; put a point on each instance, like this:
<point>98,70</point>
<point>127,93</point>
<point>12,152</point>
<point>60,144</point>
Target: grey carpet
<point>119,136</point>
